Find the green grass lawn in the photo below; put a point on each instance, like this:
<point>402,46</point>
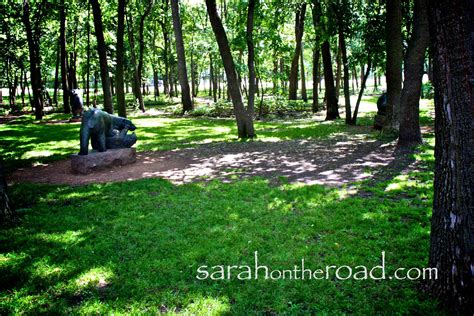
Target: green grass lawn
<point>134,247</point>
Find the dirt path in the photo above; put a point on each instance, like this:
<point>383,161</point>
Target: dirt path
<point>330,162</point>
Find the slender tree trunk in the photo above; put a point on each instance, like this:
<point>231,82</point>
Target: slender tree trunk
<point>316,58</point>
<point>244,120</point>
<point>88,62</point>
<point>451,25</point>
<point>56,74</point>
<point>136,82</point>
<point>35,67</point>
<point>22,88</point>
<point>331,99</point>
<point>355,78</point>
<point>410,133</point>
<point>182,71</point>
<point>361,93</point>
<point>166,59</point>
<point>394,63</point>
<point>304,95</point>
<point>214,80</point>
<point>338,70</point>
<point>102,51</point>
<point>299,30</point>
<point>282,74</point>
<point>345,62</point>
<point>121,105</point>
<point>7,213</point>
<point>156,87</point>
<point>275,76</point>
<point>251,58</point>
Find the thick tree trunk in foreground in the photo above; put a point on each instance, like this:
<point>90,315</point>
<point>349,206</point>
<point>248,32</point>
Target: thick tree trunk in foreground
<point>244,120</point>
<point>410,133</point>
<point>121,105</point>
<point>102,51</point>
<point>182,71</point>
<point>331,99</point>
<point>7,213</point>
<point>394,63</point>
<point>299,30</point>
<point>35,67</point>
<point>451,25</point>
<point>251,58</point>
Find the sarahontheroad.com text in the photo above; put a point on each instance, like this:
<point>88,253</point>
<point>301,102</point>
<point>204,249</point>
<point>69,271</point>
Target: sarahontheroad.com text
<point>259,270</point>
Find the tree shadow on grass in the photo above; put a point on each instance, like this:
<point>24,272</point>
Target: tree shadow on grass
<point>136,246</point>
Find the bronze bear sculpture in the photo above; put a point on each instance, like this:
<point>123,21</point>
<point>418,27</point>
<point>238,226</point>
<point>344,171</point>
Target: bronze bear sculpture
<point>105,131</point>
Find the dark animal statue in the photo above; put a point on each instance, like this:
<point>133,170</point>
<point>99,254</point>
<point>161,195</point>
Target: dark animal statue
<point>382,104</point>
<point>105,131</point>
<point>77,103</point>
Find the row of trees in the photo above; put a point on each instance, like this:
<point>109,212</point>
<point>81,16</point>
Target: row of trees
<point>133,40</point>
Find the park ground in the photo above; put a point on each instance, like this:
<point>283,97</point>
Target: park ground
<point>129,240</point>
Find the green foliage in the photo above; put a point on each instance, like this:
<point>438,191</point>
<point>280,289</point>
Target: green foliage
<point>220,108</point>
<point>427,90</point>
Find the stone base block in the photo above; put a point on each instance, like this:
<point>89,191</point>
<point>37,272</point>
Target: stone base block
<point>85,164</point>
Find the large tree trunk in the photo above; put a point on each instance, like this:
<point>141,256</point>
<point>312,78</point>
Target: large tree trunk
<point>7,213</point>
<point>410,133</point>
<point>251,58</point>
<point>182,71</point>
<point>299,30</point>
<point>244,120</point>
<point>331,99</point>
<point>102,51</point>
<point>394,63</point>
<point>35,67</point>
<point>451,25</point>
<point>121,105</point>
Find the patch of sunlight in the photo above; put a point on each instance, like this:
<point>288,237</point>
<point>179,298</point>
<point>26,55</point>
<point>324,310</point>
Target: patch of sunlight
<point>208,306</point>
<point>37,154</point>
<point>95,277</point>
<point>45,269</point>
<point>373,216</point>
<point>221,129</point>
<point>398,183</point>
<point>90,307</point>
<point>11,259</point>
<point>146,134</point>
<point>67,238</point>
<point>345,193</point>
<point>234,216</point>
